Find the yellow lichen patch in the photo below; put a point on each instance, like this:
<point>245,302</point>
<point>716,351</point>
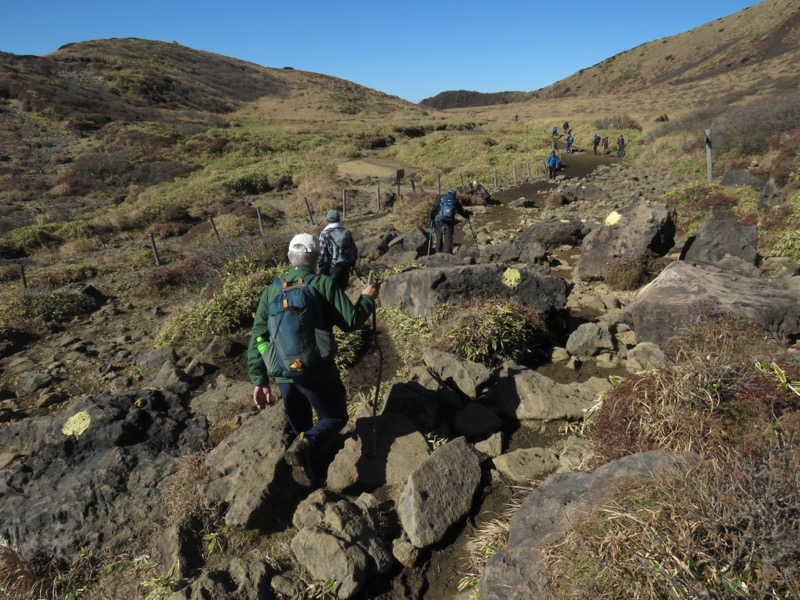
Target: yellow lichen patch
<point>613,218</point>
<point>77,424</point>
<point>512,277</point>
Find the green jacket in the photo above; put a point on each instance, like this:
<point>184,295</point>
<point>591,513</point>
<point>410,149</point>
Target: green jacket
<point>336,309</point>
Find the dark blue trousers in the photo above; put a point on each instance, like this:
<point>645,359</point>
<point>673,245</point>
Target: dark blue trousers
<point>327,399</point>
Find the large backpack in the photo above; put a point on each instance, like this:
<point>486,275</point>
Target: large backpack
<point>340,249</point>
<point>299,343</point>
<point>447,208</point>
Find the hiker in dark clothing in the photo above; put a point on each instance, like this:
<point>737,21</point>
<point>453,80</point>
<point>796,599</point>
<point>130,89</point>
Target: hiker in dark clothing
<point>565,127</point>
<point>620,147</point>
<point>338,251</point>
<point>318,388</point>
<point>595,142</point>
<point>443,216</point>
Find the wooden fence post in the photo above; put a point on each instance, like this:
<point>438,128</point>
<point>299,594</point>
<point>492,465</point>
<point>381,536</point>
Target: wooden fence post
<point>462,180</point>
<point>22,273</point>
<point>515,174</point>
<point>214,227</point>
<point>709,158</point>
<point>260,224</point>
<point>308,210</point>
<point>530,177</point>
<point>155,250</point>
<point>378,200</point>
<point>439,183</point>
<point>344,204</point>
<point>495,178</point>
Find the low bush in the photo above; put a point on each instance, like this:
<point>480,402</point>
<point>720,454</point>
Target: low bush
<point>413,210</point>
<point>617,122</point>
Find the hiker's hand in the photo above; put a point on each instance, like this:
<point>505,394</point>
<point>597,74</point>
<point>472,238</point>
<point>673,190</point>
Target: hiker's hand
<point>370,291</point>
<point>262,396</point>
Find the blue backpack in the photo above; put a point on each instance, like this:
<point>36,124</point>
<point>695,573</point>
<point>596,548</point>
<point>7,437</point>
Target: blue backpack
<point>299,343</point>
<point>447,208</point>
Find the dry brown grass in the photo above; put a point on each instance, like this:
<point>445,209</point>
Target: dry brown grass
<point>711,397</point>
<point>727,529</point>
<point>413,210</point>
<point>323,191</point>
<point>17,579</point>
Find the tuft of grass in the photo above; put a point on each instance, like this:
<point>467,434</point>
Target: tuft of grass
<point>408,333</point>
<point>630,272</point>
<point>491,330</point>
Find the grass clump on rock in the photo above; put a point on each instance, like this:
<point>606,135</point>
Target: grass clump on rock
<point>491,330</point>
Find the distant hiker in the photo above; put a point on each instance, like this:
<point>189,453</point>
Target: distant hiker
<point>338,250</point>
<point>555,130</point>
<point>297,348</point>
<point>620,147</point>
<point>595,142</point>
<point>443,217</point>
<point>569,141</point>
<point>552,164</point>
<point>565,127</point>
<point>605,145</point>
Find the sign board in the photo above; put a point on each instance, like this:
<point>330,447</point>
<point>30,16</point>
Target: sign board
<point>400,174</point>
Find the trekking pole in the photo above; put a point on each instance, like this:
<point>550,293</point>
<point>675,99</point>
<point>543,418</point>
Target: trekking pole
<point>380,373</point>
<point>475,237</point>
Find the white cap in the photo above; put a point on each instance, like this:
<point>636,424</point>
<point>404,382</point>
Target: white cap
<point>304,242</point>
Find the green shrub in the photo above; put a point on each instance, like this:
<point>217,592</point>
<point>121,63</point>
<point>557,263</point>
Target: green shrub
<point>232,306</point>
<point>29,310</point>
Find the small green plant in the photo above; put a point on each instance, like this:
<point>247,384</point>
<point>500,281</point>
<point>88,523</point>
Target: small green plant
<point>435,441</point>
<point>784,384</point>
<point>215,541</point>
<point>162,586</point>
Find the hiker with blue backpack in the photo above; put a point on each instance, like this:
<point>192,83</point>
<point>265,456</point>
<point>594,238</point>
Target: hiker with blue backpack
<point>292,341</point>
<point>443,218</point>
<point>338,251</point>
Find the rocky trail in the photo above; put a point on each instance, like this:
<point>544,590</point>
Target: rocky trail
<point>396,514</point>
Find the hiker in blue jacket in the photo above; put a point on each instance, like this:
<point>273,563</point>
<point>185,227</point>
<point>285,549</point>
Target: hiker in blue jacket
<point>443,216</point>
<point>552,164</point>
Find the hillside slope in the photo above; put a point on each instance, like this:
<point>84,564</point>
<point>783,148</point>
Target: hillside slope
<point>756,48</point>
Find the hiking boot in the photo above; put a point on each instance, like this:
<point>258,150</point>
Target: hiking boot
<point>298,454</point>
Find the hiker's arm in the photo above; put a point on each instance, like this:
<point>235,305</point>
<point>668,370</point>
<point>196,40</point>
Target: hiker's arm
<point>256,369</point>
<point>343,313</point>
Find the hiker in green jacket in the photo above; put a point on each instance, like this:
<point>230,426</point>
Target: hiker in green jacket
<point>321,389</point>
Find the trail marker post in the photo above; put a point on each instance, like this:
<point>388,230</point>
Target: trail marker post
<point>709,157</point>
<point>155,250</point>
<point>260,224</point>
<point>214,227</point>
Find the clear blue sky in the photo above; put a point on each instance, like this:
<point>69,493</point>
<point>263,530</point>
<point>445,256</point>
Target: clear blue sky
<point>412,49</point>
